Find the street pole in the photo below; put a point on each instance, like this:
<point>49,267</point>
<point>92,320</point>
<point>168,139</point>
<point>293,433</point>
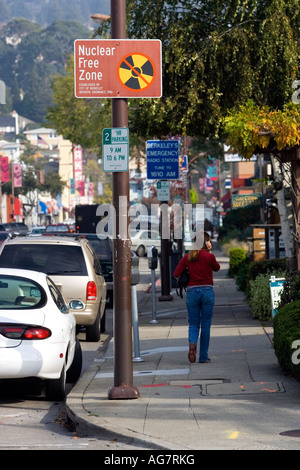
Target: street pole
<point>123,370</point>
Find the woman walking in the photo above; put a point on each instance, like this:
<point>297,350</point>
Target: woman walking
<point>200,297</point>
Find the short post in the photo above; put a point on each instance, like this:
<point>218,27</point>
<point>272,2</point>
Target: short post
<point>135,326</point>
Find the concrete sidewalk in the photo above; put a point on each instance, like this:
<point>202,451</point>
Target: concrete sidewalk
<point>241,400</point>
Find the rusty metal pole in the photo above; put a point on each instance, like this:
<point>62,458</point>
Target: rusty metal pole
<point>123,370</point>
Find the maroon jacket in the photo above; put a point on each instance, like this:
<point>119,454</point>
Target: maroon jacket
<point>201,271</point>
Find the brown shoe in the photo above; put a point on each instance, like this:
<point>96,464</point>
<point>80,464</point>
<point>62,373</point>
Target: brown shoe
<point>192,353</point>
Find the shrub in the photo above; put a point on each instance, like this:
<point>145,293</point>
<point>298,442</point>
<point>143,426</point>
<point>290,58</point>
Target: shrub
<point>241,278</point>
<point>286,331</point>
<point>237,257</point>
<point>291,289</point>
<point>259,295</point>
<point>266,266</point>
<point>234,243</point>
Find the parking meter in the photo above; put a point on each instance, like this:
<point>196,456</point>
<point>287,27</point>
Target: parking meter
<point>152,257</point>
<point>152,264</point>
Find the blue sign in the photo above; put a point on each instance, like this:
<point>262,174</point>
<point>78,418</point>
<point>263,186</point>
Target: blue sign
<point>162,159</point>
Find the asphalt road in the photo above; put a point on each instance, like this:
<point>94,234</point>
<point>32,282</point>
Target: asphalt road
<point>29,422</point>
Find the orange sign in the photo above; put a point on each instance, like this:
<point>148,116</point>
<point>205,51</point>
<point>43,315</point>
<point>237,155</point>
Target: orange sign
<point>118,68</point>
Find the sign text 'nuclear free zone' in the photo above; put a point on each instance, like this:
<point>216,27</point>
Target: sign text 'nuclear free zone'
<point>117,68</point>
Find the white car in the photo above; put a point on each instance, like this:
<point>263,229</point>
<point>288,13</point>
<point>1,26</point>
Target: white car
<point>143,239</point>
<point>37,332</point>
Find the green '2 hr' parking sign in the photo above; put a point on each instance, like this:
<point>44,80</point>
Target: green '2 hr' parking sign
<point>115,149</point>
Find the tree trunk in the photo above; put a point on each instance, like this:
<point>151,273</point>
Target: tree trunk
<point>287,233</point>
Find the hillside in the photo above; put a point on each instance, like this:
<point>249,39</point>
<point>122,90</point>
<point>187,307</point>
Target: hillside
<point>45,12</point>
<point>29,56</point>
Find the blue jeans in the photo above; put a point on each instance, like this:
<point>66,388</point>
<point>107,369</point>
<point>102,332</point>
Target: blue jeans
<point>200,303</point>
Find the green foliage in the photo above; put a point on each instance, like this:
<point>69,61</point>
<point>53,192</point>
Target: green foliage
<point>286,331</point>
<point>266,266</point>
<point>237,221</point>
<point>216,56</point>
<point>252,128</point>
<point>260,296</point>
<point>291,289</point>
<point>237,257</point>
<point>79,120</point>
<point>241,278</point>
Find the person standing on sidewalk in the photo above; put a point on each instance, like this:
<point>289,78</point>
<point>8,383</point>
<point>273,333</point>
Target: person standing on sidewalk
<point>200,297</point>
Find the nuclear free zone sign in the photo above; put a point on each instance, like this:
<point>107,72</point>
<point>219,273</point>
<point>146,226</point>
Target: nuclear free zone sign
<point>119,68</point>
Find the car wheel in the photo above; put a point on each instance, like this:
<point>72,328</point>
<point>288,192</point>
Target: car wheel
<point>74,371</point>
<point>93,331</point>
<point>56,388</point>
<point>140,251</point>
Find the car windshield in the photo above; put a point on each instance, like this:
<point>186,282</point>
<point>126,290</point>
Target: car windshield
<point>56,228</point>
<point>102,248</point>
<point>50,259</point>
<point>20,293</point>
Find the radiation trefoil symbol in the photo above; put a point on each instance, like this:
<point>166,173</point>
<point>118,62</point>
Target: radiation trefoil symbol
<point>136,72</point>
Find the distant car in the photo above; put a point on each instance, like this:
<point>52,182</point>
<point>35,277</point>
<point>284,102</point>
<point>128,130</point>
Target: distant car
<point>73,266</point>
<point>58,229</point>
<point>14,227</point>
<point>104,251</point>
<point>37,332</point>
<point>143,239</point>
<point>37,230</point>
<point>3,236</point>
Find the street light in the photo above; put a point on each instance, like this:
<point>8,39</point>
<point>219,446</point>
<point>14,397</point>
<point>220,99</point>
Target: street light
<point>99,18</point>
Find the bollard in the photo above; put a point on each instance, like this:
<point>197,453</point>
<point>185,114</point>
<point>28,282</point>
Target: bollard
<point>135,326</point>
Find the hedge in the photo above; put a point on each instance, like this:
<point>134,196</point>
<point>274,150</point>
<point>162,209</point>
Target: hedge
<point>237,257</point>
<point>286,333</point>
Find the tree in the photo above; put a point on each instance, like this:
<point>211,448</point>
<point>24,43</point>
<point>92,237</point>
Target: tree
<point>79,120</point>
<point>216,54</point>
<point>252,129</point>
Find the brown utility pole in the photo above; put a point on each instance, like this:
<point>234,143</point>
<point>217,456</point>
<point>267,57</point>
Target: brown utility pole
<point>123,369</point>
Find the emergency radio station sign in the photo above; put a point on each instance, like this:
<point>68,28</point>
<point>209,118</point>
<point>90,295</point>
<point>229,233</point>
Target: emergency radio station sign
<point>119,68</point>
<point>162,159</point>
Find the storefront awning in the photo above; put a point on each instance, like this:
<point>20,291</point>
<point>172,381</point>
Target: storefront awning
<point>43,208</point>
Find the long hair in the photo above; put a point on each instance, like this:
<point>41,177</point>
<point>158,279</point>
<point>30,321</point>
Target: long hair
<point>194,254</point>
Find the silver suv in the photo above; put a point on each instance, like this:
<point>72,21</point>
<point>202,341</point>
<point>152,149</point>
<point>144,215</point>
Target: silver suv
<point>73,266</point>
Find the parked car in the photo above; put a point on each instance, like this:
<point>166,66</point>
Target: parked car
<point>104,251</point>
<point>14,227</point>
<point>36,230</point>
<point>58,229</point>
<point>143,239</point>
<point>3,236</point>
<point>37,332</point>
<point>73,266</point>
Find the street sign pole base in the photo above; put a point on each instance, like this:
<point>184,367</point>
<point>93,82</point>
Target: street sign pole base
<point>123,392</point>
<point>165,297</point>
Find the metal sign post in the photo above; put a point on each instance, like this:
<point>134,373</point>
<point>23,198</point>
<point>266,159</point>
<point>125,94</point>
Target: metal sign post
<point>123,371</point>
